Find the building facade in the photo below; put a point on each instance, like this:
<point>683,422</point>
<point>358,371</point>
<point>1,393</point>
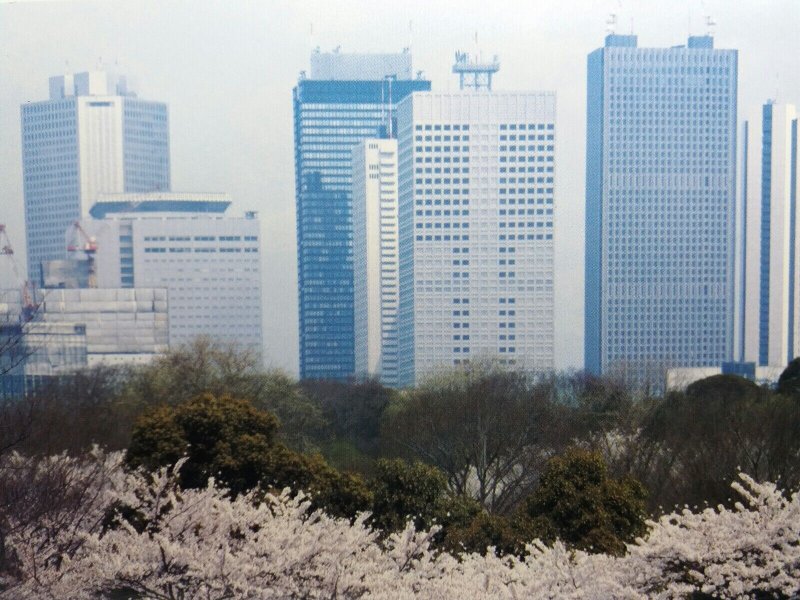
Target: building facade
<point>477,178</point>
<point>122,326</point>
<point>208,261</point>
<point>375,259</point>
<point>771,281</point>
<point>345,100</point>
<point>92,135</point>
<point>72,329</point>
<point>660,207</point>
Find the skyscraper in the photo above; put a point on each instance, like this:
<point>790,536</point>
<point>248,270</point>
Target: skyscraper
<point>771,250</point>
<point>660,206</point>
<point>93,135</point>
<point>345,100</point>
<point>375,259</point>
<point>476,216</point>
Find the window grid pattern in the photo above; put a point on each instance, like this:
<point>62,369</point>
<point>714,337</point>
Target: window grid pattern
<point>661,142</point>
<point>330,118</point>
<point>476,231</point>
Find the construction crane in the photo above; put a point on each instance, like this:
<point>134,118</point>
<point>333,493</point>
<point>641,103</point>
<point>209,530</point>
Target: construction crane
<point>27,288</point>
<point>80,241</point>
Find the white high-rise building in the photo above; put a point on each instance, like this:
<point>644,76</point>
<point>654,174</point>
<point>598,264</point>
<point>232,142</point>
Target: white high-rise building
<point>93,135</point>
<point>771,283</point>
<point>375,258</point>
<point>208,261</point>
<point>476,215</point>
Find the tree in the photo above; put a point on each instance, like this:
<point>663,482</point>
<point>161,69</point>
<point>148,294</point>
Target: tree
<point>236,444</point>
<point>206,366</point>
<point>404,492</point>
<point>224,438</point>
<point>488,430</point>
<point>202,543</point>
<point>354,411</point>
<point>789,381</point>
<point>577,502</point>
<point>693,445</point>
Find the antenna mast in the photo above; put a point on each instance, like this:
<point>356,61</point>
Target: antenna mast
<point>475,74</point>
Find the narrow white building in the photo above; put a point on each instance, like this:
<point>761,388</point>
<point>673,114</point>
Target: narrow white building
<point>476,214</point>
<point>375,259</point>
<point>770,292</point>
<point>208,261</point>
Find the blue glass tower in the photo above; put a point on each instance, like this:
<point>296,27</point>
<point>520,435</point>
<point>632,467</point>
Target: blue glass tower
<point>345,100</point>
<point>660,206</point>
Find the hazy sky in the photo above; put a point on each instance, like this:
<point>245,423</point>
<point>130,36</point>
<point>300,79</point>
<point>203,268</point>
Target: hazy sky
<point>226,70</point>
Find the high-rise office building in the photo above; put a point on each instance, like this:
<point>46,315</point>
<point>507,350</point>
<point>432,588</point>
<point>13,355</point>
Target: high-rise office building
<point>660,207</point>
<point>771,249</point>
<point>476,216</point>
<point>344,100</point>
<point>208,261</point>
<point>92,135</point>
<point>375,259</point>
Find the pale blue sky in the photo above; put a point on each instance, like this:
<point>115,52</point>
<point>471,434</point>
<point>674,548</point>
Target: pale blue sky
<point>227,69</point>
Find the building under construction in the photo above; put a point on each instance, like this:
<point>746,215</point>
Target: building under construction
<point>77,328</point>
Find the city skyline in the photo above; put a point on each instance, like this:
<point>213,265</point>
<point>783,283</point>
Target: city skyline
<point>216,148</point>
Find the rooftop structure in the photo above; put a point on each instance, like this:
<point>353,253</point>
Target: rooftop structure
<point>473,73</point>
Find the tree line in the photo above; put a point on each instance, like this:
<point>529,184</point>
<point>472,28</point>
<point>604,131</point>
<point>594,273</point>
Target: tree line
<point>491,457</point>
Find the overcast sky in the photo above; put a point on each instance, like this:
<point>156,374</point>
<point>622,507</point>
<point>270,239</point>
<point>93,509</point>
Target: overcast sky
<point>226,70</point>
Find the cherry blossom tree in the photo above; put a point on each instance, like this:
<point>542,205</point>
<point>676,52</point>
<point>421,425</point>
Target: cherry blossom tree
<point>114,534</point>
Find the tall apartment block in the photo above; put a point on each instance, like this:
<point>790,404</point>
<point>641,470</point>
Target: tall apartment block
<point>92,135</point>
<point>208,261</point>
<point>771,249</point>
<point>344,100</point>
<point>476,212</point>
<point>660,207</point>
<point>375,259</point>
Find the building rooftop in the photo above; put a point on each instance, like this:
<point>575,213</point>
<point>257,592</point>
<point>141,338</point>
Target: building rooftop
<point>334,66</point>
<point>160,202</point>
<point>89,83</point>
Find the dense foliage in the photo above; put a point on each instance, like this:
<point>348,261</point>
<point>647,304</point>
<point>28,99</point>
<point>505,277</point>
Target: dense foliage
<point>555,476</point>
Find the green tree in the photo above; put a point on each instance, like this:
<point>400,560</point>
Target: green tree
<point>205,366</point>
<point>578,502</point>
<point>696,442</point>
<point>404,491</point>
<point>789,381</point>
<point>222,437</point>
<point>485,428</point>
<point>236,443</point>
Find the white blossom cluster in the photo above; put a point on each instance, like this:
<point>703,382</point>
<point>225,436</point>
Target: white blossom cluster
<point>104,532</point>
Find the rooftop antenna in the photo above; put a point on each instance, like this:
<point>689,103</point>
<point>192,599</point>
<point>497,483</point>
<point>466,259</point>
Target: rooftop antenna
<point>410,35</point>
<point>710,24</point>
<point>611,23</point>
<point>473,73</point>
<point>311,35</point>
